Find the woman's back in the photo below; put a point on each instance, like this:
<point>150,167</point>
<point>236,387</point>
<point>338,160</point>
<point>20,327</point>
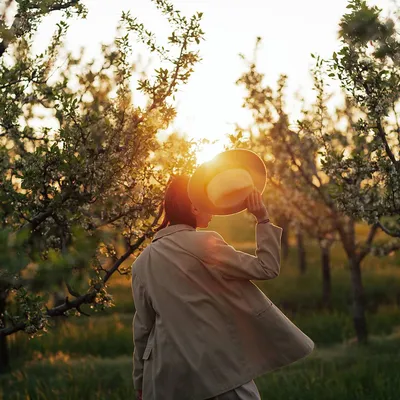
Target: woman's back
<point>206,325</point>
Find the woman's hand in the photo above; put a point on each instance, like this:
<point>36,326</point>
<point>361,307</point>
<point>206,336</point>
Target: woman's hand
<point>256,206</point>
<point>139,395</point>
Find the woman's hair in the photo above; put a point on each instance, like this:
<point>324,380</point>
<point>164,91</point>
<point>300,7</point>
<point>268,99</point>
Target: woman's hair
<point>176,204</point>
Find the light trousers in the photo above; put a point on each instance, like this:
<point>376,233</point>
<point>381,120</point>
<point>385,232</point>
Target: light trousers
<point>248,391</point>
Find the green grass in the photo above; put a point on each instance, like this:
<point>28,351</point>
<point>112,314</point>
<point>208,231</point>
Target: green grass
<point>368,374</point>
<point>344,372</point>
<point>111,336</point>
<point>105,336</point>
<point>70,379</point>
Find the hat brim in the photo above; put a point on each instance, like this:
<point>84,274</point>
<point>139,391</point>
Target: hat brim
<point>238,158</point>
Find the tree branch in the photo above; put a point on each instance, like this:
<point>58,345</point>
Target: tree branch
<point>368,244</point>
<point>382,135</point>
<point>313,225</point>
<point>393,247</point>
<point>42,216</point>
<point>120,215</point>
<point>54,312</point>
<point>90,296</point>
<point>307,179</point>
<point>133,247</point>
<point>15,25</point>
<point>80,300</point>
<point>395,233</point>
<point>130,250</point>
<point>59,7</point>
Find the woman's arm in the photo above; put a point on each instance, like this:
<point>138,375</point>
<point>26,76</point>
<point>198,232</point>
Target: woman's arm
<point>235,264</point>
<point>239,265</point>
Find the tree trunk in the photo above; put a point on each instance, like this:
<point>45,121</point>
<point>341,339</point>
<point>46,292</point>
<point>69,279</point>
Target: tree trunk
<point>359,320</point>
<point>347,234</point>
<point>4,354</point>
<point>326,274</point>
<point>301,252</point>
<point>58,300</point>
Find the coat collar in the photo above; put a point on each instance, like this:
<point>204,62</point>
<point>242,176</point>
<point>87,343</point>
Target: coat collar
<point>172,229</point>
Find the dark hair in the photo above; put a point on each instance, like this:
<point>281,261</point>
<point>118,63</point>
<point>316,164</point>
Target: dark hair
<point>176,204</point>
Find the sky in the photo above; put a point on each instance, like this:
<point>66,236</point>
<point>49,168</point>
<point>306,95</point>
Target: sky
<point>211,103</point>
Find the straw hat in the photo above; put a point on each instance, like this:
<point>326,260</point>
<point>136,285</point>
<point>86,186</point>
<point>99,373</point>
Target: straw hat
<point>221,186</point>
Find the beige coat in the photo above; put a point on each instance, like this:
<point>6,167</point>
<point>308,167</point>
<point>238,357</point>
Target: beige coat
<point>201,327</point>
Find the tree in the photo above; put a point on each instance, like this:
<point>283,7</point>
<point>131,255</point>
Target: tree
<point>283,151</point>
<point>368,69</point>
<point>293,159</point>
<point>89,178</point>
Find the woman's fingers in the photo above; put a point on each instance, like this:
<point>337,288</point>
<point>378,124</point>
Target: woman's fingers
<point>253,199</point>
<point>248,201</point>
<point>256,200</point>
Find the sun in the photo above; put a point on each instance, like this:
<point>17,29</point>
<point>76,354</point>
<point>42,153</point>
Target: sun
<point>208,151</point>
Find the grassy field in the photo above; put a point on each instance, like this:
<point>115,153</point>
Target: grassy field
<point>91,358</point>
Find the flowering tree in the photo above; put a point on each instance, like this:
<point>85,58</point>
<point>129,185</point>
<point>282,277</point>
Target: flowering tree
<point>294,161</point>
<point>291,160</point>
<point>368,69</point>
<point>81,170</point>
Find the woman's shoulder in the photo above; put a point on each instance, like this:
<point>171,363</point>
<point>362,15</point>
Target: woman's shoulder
<point>207,239</point>
<point>206,234</point>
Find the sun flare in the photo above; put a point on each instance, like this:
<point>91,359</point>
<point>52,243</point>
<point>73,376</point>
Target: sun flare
<point>208,151</point>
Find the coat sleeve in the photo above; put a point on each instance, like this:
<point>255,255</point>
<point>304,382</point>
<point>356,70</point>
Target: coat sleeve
<point>234,264</point>
<point>143,321</point>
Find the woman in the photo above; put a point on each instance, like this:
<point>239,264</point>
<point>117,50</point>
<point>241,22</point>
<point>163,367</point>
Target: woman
<point>202,329</point>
